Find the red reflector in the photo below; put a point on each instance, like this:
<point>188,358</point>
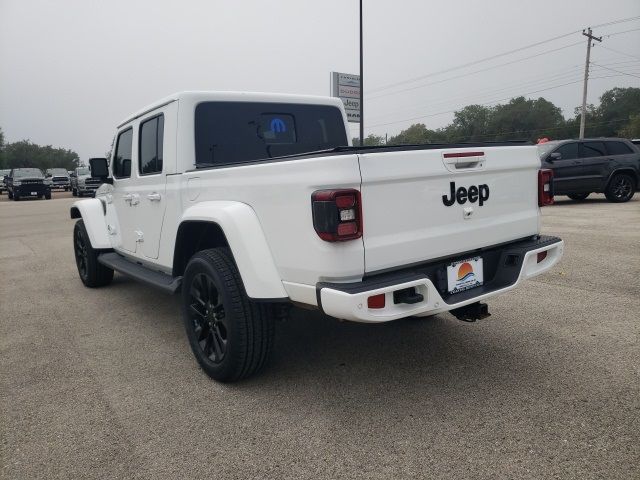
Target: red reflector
<point>463,154</point>
<point>350,228</point>
<point>542,256</point>
<point>345,201</point>
<point>376,301</point>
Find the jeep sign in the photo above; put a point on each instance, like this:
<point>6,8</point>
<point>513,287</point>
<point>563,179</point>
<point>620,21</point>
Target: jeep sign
<point>347,88</point>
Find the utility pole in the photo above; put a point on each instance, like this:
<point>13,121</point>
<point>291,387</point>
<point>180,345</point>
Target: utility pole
<point>583,116</point>
<point>361,89</point>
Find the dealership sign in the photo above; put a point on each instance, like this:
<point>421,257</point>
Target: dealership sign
<point>347,88</point>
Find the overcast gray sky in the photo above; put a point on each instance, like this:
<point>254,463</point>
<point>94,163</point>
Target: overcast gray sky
<point>70,70</point>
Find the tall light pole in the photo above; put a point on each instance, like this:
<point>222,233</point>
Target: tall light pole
<point>361,85</point>
<point>583,114</point>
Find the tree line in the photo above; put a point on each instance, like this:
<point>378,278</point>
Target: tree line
<point>27,154</point>
<point>617,115</point>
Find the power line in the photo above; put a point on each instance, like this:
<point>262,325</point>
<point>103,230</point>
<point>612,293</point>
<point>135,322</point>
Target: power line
<point>539,80</point>
<point>469,64</point>
<point>618,51</point>
<point>473,72</point>
<point>622,64</point>
<point>617,71</point>
<point>486,103</point>
<point>615,22</point>
<point>493,57</point>
<point>620,33</point>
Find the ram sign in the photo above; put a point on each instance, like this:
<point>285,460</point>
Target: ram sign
<point>347,88</point>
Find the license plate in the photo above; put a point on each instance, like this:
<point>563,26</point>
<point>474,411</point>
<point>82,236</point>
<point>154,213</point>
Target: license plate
<point>34,193</point>
<point>464,275</point>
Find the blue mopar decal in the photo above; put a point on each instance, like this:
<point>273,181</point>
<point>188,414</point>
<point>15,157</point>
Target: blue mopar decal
<point>277,125</point>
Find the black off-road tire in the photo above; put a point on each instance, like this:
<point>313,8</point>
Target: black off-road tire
<point>92,273</point>
<point>16,197</point>
<point>230,335</point>
<point>578,197</point>
<point>621,188</point>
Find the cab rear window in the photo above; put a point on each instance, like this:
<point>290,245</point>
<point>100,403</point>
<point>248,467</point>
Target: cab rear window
<point>238,132</point>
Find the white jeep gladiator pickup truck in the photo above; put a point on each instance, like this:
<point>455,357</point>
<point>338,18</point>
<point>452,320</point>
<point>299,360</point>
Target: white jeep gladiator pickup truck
<point>247,203</point>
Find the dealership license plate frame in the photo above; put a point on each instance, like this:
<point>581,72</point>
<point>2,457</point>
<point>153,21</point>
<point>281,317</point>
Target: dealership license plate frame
<point>455,285</point>
<point>34,193</point>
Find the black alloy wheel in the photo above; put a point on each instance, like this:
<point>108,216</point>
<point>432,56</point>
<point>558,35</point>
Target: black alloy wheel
<point>92,273</point>
<point>230,335</point>
<point>208,317</point>
<point>80,250</point>
<point>621,188</point>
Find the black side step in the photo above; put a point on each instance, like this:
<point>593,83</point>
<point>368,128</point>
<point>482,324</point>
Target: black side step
<point>156,279</point>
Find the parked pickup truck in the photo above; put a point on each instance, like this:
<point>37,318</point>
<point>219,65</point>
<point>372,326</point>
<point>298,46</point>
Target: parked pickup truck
<point>247,203</point>
<point>27,182</point>
<point>604,165</point>
<point>83,183</point>
<point>3,175</point>
<point>59,178</point>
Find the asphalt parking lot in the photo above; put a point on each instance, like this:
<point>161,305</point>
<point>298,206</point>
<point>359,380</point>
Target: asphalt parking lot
<point>101,383</point>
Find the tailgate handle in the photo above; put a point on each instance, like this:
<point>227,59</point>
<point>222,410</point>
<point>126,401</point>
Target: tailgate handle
<point>462,165</point>
<point>463,160</point>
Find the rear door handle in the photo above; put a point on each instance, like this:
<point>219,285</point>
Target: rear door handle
<point>154,197</point>
<point>131,198</point>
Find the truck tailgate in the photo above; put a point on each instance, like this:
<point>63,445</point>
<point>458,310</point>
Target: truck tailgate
<point>409,214</point>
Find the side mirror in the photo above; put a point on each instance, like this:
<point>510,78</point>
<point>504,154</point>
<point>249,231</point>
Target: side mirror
<point>100,169</point>
<point>554,156</point>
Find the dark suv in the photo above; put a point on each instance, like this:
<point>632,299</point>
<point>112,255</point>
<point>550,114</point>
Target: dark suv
<point>603,165</point>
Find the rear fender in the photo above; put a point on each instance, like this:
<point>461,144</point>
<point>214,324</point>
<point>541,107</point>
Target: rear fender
<point>92,213</point>
<point>247,242</point>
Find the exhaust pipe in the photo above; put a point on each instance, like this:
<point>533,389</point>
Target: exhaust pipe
<point>472,312</point>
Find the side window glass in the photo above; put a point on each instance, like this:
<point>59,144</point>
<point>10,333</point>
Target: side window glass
<point>593,149</point>
<point>122,158</point>
<point>150,154</point>
<point>617,148</point>
<point>568,151</point>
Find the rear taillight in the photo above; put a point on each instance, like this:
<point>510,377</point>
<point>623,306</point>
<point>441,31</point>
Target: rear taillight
<point>337,214</point>
<point>545,187</point>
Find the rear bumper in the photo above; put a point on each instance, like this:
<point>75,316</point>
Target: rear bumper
<point>505,267</point>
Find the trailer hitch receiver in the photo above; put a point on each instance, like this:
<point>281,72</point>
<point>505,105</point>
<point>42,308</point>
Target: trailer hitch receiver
<point>472,312</point>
